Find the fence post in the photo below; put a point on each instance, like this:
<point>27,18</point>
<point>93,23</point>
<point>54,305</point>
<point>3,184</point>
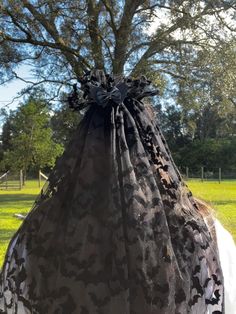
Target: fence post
<point>202,173</point>
<point>21,179</point>
<point>219,175</point>
<point>6,182</point>
<point>39,178</point>
<point>186,173</point>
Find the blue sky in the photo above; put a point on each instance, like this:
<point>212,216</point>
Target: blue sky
<point>11,90</point>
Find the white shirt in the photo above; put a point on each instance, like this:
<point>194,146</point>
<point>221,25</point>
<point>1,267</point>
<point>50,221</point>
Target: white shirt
<point>227,252</point>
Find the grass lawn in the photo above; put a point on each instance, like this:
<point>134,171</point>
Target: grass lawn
<point>12,202</point>
<point>222,197</point>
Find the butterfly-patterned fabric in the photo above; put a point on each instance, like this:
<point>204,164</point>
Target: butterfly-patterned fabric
<point>115,230</point>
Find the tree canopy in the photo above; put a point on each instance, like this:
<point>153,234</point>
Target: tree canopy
<point>61,39</point>
<point>27,137</point>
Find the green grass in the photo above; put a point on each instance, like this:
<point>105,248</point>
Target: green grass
<point>14,202</point>
<point>221,196</point>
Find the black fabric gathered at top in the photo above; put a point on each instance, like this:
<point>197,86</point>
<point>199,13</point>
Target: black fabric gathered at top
<point>104,89</point>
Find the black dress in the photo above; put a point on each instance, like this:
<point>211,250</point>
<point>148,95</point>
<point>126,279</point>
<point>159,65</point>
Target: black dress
<point>115,230</point>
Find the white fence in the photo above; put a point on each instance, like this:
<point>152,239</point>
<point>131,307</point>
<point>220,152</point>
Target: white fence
<point>11,180</point>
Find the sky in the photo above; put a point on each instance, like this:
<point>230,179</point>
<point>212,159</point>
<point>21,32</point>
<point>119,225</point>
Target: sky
<point>11,90</point>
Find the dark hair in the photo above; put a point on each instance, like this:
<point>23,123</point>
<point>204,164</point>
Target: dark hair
<point>207,212</point>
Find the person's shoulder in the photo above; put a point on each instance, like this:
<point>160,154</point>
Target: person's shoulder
<point>226,244</point>
<point>227,253</point>
<point>224,236</point>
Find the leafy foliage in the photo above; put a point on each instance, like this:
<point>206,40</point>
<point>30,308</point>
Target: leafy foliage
<point>63,124</point>
<point>28,137</point>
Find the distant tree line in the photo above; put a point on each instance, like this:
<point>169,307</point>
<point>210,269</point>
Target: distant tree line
<point>200,124</point>
<point>213,150</point>
<point>34,135</point>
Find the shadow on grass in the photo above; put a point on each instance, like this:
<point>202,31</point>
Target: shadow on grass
<point>4,198</point>
<point>10,214</point>
<point>6,234</point>
<point>226,202</point>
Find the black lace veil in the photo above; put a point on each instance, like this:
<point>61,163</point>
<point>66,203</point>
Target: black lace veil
<point>115,229</point>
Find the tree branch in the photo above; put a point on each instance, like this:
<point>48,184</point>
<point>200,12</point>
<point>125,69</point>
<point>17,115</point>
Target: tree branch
<point>50,27</point>
<point>112,19</point>
<point>175,75</point>
<point>123,34</point>
<point>225,24</point>
<point>64,82</point>
<point>15,22</point>
<point>93,11</point>
<point>160,42</point>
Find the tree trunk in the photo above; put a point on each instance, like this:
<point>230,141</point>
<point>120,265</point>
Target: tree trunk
<point>24,177</point>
